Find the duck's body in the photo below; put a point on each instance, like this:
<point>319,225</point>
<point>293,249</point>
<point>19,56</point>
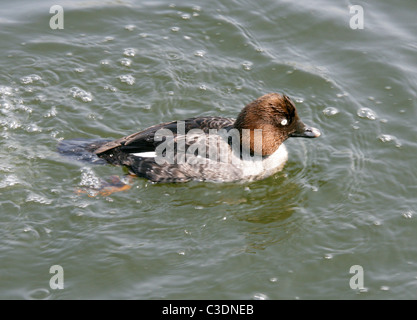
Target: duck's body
<point>211,148</point>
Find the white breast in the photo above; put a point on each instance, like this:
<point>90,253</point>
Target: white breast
<point>149,154</point>
<point>265,167</point>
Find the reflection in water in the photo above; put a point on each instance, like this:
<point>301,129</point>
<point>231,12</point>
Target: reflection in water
<point>349,199</point>
<point>270,221</point>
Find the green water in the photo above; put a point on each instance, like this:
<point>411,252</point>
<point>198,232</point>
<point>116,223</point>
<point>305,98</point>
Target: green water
<point>344,199</point>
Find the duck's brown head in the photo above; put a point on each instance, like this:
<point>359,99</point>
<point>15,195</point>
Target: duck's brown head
<point>277,117</point>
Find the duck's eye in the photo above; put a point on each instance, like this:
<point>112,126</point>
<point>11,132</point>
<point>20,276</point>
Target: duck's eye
<point>284,122</point>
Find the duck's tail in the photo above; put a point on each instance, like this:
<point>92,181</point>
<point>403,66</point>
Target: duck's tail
<point>82,149</point>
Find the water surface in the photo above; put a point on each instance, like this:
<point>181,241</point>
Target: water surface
<point>347,198</point>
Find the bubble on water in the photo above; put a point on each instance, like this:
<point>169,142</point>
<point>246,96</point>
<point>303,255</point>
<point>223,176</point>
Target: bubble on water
<point>51,113</point>
<point>273,279</point>
<point>54,134</point>
<point>105,62</point>
<point>9,181</point>
<point>33,127</point>
<point>79,70</point>
<point>181,253</point>
<point>408,214</point>
<point>199,53</point>
<point>94,116</point>
<point>81,94</point>
<point>340,95</point>
<point>110,88</point>
<point>89,179</point>
<point>260,296</point>
<point>130,27</point>
<point>30,79</point>
<point>389,138</point>
<point>5,168</point>
<point>173,56</point>
<point>5,106</point>
<point>107,39</point>
<point>330,111</point>
<point>24,108</point>
<point>129,52</point>
<point>367,113</point>
<point>28,229</point>
<point>126,62</point>
<point>10,124</point>
<point>355,125</point>
<point>185,16</point>
<point>128,79</point>
<point>6,91</point>
<point>385,137</point>
<point>203,87</point>
<point>175,29</point>
<point>328,256</point>
<point>247,65</point>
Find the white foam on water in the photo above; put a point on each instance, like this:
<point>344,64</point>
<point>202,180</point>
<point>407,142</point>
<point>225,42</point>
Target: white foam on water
<point>81,94</point>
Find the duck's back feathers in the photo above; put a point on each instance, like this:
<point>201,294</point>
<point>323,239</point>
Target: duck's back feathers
<point>144,141</point>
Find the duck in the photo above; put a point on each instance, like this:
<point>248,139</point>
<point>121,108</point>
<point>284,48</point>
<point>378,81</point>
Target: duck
<point>210,148</point>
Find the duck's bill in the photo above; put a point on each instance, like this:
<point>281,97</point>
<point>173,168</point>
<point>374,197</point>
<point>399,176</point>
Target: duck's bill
<point>304,131</point>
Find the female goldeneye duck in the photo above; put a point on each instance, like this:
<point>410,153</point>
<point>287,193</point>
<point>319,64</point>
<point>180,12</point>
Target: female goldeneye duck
<point>214,149</point>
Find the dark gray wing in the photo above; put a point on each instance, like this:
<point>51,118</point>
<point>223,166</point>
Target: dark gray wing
<point>143,141</point>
